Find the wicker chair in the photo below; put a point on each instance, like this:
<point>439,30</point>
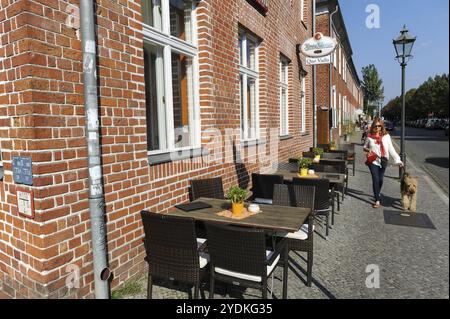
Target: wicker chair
<point>323,199</point>
<point>341,168</point>
<point>239,255</point>
<point>262,187</point>
<point>173,250</point>
<point>301,240</point>
<point>351,154</point>
<point>333,155</point>
<point>210,188</point>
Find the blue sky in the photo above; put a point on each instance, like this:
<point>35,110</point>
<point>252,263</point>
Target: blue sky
<point>428,20</point>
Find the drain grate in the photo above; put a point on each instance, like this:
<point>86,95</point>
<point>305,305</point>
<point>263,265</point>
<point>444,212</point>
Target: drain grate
<point>400,218</point>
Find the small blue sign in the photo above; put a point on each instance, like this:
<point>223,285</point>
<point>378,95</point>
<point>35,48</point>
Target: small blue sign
<point>22,170</point>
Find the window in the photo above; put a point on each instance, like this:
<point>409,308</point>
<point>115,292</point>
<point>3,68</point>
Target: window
<point>171,85</point>
<point>340,60</point>
<point>303,105</point>
<point>284,97</point>
<point>249,86</point>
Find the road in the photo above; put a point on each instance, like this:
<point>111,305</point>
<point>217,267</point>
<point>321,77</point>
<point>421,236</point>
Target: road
<point>430,150</point>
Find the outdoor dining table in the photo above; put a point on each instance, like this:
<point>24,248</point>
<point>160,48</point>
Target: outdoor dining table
<point>335,179</point>
<point>272,219</point>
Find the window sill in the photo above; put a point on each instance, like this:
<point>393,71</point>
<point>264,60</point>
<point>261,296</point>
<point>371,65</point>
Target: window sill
<point>253,143</point>
<point>304,134</point>
<point>174,156</point>
<point>286,137</point>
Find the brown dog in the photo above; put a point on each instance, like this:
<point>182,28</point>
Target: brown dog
<point>409,188</point>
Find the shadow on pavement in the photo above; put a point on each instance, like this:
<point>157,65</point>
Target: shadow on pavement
<point>353,193</point>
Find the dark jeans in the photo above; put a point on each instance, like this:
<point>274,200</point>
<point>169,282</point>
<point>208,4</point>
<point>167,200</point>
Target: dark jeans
<point>377,180</point>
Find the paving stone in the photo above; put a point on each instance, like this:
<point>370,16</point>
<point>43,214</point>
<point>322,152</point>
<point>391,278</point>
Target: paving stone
<point>413,262</point>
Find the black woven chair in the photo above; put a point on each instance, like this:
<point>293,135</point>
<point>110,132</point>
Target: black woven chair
<point>302,240</point>
<point>239,255</point>
<point>351,154</point>
<point>291,166</point>
<point>341,168</point>
<point>210,188</point>
<point>262,187</point>
<point>333,155</point>
<point>173,251</point>
<point>323,198</point>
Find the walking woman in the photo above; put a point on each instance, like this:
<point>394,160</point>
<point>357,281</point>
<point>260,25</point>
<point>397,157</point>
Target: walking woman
<point>378,148</point>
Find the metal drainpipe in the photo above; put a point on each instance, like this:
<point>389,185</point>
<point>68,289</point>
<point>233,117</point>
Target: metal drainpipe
<point>96,198</point>
<point>331,70</point>
<point>314,79</point>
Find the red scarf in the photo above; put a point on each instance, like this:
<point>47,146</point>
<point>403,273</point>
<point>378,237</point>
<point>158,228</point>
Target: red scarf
<point>379,141</point>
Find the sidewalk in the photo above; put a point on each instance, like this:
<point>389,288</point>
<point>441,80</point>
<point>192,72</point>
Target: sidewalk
<point>413,262</point>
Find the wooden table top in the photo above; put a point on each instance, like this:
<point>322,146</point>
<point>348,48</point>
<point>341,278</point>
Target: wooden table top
<point>334,178</point>
<point>271,218</point>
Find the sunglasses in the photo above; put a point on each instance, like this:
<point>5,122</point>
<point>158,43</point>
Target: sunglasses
<point>377,126</point>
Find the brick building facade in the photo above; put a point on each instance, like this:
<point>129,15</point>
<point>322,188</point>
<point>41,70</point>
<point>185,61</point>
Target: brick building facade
<point>214,51</point>
<point>339,93</point>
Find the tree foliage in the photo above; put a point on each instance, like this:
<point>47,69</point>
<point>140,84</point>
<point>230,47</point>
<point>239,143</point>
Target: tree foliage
<point>372,87</point>
<point>430,97</point>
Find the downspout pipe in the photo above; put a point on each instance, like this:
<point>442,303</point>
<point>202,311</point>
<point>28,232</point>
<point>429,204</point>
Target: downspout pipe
<point>331,71</point>
<point>314,79</point>
<point>96,196</point>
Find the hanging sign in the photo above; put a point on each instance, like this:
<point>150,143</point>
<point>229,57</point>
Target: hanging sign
<point>25,202</point>
<point>321,60</point>
<point>318,46</point>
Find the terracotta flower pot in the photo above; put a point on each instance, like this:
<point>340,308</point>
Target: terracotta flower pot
<point>237,208</point>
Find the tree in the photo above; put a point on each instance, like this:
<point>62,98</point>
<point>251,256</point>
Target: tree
<point>372,87</point>
<point>432,96</point>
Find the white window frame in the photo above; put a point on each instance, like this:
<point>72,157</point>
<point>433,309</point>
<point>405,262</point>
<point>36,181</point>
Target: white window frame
<point>334,107</point>
<point>302,10</point>
<point>246,72</point>
<point>284,86</point>
<point>303,105</point>
<point>163,39</point>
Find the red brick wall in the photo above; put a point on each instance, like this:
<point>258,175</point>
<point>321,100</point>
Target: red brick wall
<point>40,62</point>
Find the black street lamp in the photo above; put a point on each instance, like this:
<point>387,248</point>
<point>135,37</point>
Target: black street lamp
<point>403,47</point>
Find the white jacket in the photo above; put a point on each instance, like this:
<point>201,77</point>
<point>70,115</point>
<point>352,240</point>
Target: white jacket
<point>389,149</point>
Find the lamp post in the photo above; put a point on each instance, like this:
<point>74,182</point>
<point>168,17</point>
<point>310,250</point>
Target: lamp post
<point>403,47</point>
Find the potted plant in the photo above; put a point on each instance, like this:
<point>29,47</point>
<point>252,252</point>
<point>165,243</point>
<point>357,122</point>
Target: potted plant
<point>318,152</point>
<point>332,145</point>
<point>237,196</point>
<point>303,164</point>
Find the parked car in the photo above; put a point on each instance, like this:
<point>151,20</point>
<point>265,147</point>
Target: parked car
<point>446,130</point>
<point>389,125</point>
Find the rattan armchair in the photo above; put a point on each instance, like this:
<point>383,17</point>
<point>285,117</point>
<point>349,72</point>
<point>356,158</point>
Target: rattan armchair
<point>262,187</point>
<point>173,251</point>
<point>210,188</point>
<point>303,239</point>
<point>323,199</point>
<point>239,256</point>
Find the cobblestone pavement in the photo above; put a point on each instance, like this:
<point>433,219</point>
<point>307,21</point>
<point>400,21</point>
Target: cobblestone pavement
<point>413,262</point>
